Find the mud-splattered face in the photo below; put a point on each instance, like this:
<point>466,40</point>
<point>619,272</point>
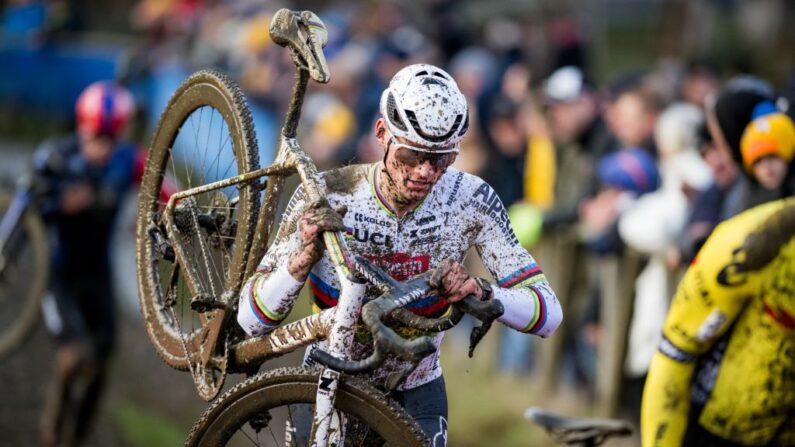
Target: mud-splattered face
<point>403,184</point>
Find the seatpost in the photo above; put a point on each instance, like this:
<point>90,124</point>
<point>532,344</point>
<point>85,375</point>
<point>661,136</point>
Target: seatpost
<point>304,34</point>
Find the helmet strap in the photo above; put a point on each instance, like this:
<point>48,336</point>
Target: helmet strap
<point>383,162</point>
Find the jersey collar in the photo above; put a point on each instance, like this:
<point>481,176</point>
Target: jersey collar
<point>381,200</point>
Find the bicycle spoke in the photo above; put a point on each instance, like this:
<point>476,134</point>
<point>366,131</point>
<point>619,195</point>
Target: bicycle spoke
<point>220,149</point>
<point>207,143</point>
<point>253,441</point>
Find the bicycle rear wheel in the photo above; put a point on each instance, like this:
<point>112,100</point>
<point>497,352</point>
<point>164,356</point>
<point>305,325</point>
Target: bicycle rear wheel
<point>257,412</point>
<point>204,135</point>
<point>23,280</point>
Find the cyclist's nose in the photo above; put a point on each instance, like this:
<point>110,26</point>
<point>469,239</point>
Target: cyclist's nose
<point>426,168</point>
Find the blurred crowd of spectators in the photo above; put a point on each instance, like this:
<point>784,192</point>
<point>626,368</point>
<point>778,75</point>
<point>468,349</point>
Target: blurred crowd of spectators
<point>613,186</point>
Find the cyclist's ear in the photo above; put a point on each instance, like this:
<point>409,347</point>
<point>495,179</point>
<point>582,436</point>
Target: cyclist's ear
<point>380,130</point>
<point>342,210</point>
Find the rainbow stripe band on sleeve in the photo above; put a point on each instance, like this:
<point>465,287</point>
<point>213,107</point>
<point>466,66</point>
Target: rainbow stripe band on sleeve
<point>324,294</point>
<point>539,316</point>
<point>525,275</point>
<point>262,313</point>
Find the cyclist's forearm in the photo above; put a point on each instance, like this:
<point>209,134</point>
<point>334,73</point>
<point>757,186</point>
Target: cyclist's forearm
<point>533,309</point>
<point>266,299</point>
<point>666,402</point>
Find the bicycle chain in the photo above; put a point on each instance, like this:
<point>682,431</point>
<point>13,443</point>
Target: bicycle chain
<point>206,390</point>
<point>192,206</point>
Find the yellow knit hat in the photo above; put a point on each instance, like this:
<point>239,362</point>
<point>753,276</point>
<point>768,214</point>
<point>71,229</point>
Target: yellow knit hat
<point>772,134</point>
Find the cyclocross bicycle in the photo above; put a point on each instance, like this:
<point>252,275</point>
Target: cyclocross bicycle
<point>195,250</point>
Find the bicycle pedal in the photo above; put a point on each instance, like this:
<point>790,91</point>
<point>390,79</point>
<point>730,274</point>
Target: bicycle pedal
<point>205,303</point>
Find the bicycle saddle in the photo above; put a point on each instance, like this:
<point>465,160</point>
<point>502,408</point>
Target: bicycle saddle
<point>306,35</point>
<point>590,431</point>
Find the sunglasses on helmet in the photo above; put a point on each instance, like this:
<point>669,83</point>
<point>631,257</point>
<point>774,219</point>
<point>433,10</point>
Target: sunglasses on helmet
<point>413,156</point>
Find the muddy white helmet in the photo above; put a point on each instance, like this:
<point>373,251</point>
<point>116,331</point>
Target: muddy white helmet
<point>424,105</point>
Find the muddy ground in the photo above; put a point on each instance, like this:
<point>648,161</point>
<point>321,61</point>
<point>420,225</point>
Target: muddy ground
<point>139,381</point>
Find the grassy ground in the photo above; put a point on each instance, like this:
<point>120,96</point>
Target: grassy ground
<point>486,408</point>
<point>142,428</point>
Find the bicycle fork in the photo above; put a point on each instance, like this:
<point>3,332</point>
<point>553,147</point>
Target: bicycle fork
<point>328,426</point>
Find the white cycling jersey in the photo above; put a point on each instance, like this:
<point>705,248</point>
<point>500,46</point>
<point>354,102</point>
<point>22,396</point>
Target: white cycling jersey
<point>461,211</point>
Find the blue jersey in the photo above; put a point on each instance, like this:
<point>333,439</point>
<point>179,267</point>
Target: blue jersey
<point>82,238</point>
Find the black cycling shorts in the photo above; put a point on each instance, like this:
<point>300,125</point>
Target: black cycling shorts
<point>83,312</point>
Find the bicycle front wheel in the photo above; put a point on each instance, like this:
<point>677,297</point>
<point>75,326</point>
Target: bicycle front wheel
<point>266,409</point>
<point>23,278</point>
<point>204,135</point>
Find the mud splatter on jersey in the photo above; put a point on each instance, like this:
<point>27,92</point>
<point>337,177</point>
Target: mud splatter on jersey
<point>460,212</point>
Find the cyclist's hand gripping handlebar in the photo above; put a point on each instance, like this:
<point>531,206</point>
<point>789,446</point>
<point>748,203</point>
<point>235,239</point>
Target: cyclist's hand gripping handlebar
<point>396,296</point>
<point>306,35</point>
<point>386,341</point>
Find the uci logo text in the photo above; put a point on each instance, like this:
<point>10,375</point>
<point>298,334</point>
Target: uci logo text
<point>364,235</point>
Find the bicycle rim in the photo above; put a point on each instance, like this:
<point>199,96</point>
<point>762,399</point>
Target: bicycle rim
<point>205,134</point>
<point>275,396</point>
<point>23,281</point>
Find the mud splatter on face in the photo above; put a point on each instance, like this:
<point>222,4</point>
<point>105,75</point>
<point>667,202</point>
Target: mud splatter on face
<point>405,187</point>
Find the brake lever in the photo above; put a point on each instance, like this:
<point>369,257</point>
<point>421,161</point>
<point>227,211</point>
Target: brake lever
<point>486,312</point>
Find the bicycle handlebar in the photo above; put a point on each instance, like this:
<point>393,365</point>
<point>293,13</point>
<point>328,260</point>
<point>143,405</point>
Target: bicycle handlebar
<point>386,341</point>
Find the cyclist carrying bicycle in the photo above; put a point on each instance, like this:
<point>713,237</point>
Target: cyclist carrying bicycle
<point>408,214</point>
<point>80,181</point>
<point>724,373</point>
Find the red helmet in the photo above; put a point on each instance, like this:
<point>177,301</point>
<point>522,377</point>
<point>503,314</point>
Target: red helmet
<point>104,109</point>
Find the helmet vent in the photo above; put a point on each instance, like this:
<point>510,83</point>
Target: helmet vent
<point>465,126</point>
<point>429,81</point>
<point>392,113</point>
<point>433,138</point>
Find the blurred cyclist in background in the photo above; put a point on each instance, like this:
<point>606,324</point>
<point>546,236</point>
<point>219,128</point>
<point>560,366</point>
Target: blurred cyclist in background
<point>723,373</point>
<point>83,178</point>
